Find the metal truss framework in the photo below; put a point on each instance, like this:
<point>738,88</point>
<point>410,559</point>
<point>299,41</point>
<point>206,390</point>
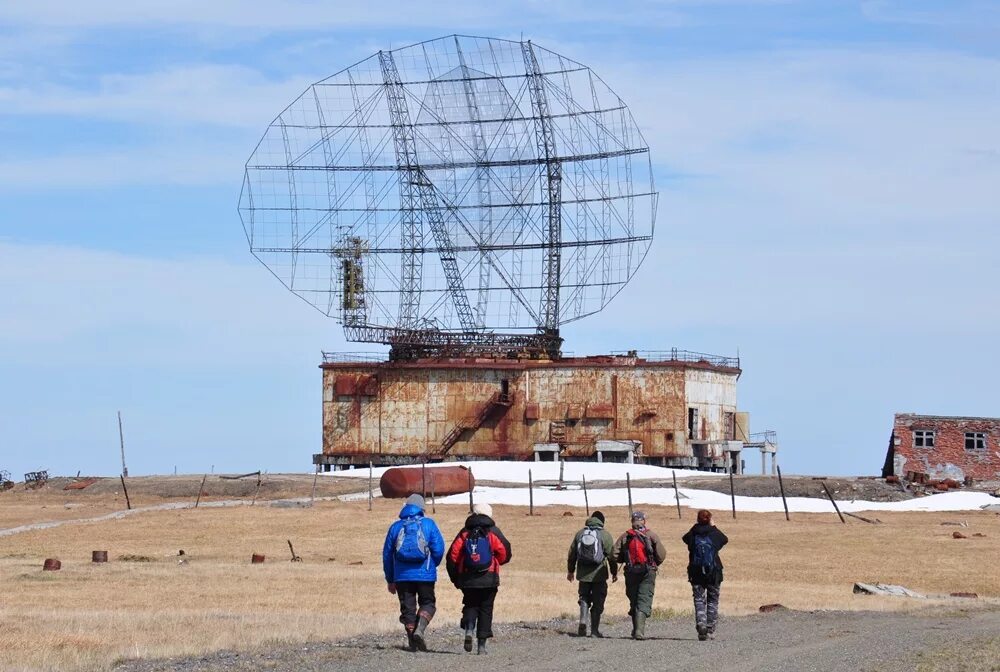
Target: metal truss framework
<point>468,195</point>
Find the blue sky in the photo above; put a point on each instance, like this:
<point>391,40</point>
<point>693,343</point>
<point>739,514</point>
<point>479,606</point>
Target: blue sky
<point>828,176</point>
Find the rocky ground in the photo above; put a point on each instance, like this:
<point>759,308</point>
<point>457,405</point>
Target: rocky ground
<point>959,639</point>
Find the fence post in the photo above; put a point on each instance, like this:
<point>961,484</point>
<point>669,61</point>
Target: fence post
<point>531,495</point>
<point>471,503</point>
<point>200,488</point>
<point>834,502</point>
<point>784,502</point>
<point>371,494</point>
<point>433,500</point>
<point>586,499</point>
<point>128,502</point>
<point>732,491</point>
<point>628,486</point>
<point>677,494</point>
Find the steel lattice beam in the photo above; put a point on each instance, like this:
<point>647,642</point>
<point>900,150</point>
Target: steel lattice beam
<point>553,173</point>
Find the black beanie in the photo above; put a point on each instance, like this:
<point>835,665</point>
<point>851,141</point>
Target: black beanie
<point>598,515</point>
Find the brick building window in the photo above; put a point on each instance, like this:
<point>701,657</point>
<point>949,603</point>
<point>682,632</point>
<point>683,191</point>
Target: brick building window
<point>923,438</point>
<point>975,440</point>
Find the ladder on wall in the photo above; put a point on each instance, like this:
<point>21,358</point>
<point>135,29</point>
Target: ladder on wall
<point>473,422</point>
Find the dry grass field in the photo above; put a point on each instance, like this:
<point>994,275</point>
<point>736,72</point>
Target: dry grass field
<point>86,616</point>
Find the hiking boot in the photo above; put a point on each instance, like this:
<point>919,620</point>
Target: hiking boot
<point>481,647</point>
<point>702,633</point>
<point>640,627</point>
<point>411,644</point>
<point>418,633</point>
<point>581,630</point>
<point>469,634</point>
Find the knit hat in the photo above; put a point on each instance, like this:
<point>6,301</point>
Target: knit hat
<point>598,515</point>
<point>483,509</point>
<point>638,515</point>
<point>416,500</point>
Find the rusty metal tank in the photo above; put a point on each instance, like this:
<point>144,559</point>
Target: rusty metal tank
<point>401,482</point>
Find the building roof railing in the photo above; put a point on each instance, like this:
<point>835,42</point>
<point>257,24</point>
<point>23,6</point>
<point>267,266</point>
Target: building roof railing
<point>675,355</point>
<point>352,357</point>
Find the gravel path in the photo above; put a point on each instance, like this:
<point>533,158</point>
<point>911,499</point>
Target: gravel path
<point>780,641</point>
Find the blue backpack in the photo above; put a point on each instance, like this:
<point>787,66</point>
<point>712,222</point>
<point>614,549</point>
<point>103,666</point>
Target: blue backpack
<point>703,555</point>
<point>478,554</point>
<point>411,544</point>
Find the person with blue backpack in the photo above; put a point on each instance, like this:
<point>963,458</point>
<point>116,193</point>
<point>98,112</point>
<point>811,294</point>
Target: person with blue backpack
<point>474,561</point>
<point>704,541</point>
<point>412,551</point>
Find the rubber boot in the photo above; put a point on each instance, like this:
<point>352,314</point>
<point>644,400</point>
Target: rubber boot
<point>633,625</point>
<point>481,647</point>
<point>640,626</point>
<point>411,643</point>
<point>702,632</point>
<point>581,629</point>
<point>595,625</point>
<point>419,631</point>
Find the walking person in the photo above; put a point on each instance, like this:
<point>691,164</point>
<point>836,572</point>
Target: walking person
<point>412,551</point>
<point>591,561</point>
<point>704,541</point>
<point>641,552</point>
<point>474,561</point>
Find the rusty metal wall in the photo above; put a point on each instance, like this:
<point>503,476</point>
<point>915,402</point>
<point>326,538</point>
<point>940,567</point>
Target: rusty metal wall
<point>403,410</point>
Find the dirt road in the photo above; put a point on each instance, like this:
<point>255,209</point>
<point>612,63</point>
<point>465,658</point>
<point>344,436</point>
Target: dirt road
<point>957,639</point>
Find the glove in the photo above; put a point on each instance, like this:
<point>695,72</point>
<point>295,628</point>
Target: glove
<point>392,588</point>
<point>569,576</point>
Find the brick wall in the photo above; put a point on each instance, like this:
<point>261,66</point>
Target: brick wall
<point>949,457</point>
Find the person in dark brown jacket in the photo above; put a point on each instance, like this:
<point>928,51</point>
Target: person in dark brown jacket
<point>641,552</point>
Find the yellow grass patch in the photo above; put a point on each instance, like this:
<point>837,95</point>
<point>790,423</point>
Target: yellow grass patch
<point>86,616</point>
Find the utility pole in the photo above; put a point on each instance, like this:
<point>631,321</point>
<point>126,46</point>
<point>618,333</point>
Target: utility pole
<point>121,437</point>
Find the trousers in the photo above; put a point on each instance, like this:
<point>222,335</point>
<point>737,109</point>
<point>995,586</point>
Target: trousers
<point>477,608</point>
<point>414,596</point>
<point>593,594</point>
<point>639,589</point>
<point>706,605</point>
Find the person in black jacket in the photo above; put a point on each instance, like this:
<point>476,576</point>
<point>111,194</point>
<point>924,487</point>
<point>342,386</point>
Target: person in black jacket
<point>478,584</point>
<point>704,541</point>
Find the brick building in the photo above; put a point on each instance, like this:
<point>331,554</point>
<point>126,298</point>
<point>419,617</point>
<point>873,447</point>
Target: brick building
<point>944,447</point>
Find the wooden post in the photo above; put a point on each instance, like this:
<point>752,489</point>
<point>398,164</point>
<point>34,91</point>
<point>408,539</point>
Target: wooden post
<point>834,502</point>
<point>121,438</point>
<point>732,491</point>
<point>586,499</point>
<point>423,478</point>
<point>128,502</point>
<point>433,500</point>
<point>260,479</point>
<point>312,497</point>
<point>371,493</point>
<point>781,486</point>
<point>677,495</point>
<point>531,495</point>
<point>562,466</point>
<point>471,503</point>
<point>628,486</point>
<point>200,488</point>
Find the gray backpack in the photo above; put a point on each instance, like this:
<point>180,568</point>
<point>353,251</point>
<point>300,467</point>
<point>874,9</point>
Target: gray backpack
<point>589,548</point>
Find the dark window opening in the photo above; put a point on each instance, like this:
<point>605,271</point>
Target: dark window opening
<point>505,389</point>
<point>923,438</point>
<point>975,440</point>
<point>693,424</point>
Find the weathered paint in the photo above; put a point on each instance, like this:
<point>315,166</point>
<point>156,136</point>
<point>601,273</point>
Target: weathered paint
<point>402,411</point>
<point>949,457</point>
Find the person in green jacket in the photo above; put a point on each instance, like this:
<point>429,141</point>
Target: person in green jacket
<point>591,560</point>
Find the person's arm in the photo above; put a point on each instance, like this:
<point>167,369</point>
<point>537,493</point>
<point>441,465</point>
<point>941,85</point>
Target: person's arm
<point>658,549</point>
<point>500,546</point>
<point>453,555</point>
<point>720,539</point>
<point>687,538</point>
<point>435,542</point>
<point>571,558</point>
<point>609,543</point>
<point>388,564</point>
<point>618,549</point>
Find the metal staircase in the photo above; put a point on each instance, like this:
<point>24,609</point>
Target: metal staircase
<point>473,422</point>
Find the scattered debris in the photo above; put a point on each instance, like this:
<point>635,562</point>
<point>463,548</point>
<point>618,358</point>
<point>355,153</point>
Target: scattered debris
<point>356,562</point>
<point>236,478</point>
<point>567,513</point>
<point>98,556</point>
<point>5,482</point>
<point>958,535</point>
<point>971,596</point>
<point>959,524</point>
<point>81,484</point>
<point>36,479</point>
<point>256,559</point>
<point>885,589</point>
<point>295,558</point>
<point>876,521</point>
<point>131,557</point>
<point>767,608</point>
<point>51,565</point>
<point>979,534</point>
<point>181,552</point>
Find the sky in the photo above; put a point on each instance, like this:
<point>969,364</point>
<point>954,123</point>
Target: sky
<point>828,176</point>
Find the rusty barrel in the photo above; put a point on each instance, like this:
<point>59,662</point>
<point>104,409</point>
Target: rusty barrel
<point>256,559</point>
<point>51,565</point>
<point>400,483</point>
<point>98,556</point>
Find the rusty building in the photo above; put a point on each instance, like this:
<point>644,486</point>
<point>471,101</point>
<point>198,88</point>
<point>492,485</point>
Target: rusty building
<point>939,447</point>
<point>673,409</point>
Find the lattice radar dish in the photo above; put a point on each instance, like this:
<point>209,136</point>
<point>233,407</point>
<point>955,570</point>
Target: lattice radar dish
<point>464,193</point>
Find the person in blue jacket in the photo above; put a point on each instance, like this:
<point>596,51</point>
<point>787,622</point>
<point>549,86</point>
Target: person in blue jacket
<point>412,551</point>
